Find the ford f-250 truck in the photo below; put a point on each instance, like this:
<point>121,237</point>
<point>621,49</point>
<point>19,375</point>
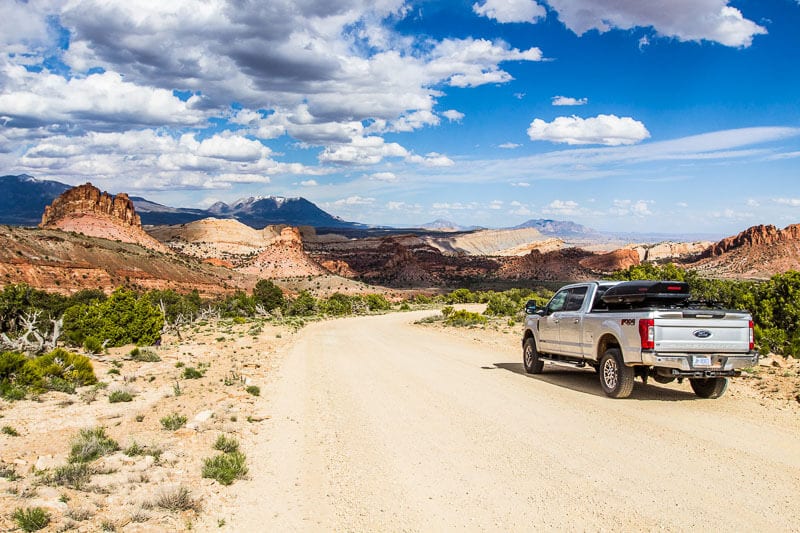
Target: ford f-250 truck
<point>639,328</point>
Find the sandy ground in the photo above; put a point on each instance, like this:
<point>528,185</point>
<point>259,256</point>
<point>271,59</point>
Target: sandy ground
<point>380,424</point>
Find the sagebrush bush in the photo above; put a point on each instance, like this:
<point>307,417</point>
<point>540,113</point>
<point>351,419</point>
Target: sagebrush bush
<point>225,467</point>
<point>255,390</point>
<point>173,421</point>
<point>90,444</point>
<point>72,475</point>
<point>465,318</point>
<point>120,396</point>
<point>175,500</point>
<point>226,444</point>
<point>192,373</point>
<point>145,356</point>
<point>31,518</point>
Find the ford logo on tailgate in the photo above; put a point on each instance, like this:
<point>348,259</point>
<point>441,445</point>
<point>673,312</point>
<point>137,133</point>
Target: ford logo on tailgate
<point>701,333</point>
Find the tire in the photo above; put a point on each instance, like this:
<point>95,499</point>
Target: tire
<point>530,357</point>
<point>616,379</point>
<point>709,388</point>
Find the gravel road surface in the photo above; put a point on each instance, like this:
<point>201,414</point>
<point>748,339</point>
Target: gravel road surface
<point>378,424</point>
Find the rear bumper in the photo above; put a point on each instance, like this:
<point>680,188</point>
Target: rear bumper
<point>682,364</point>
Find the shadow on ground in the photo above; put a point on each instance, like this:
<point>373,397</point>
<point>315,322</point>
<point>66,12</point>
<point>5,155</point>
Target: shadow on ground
<point>586,381</point>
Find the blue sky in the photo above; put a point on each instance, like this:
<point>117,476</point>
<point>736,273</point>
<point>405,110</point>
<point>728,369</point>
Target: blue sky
<point>623,115</point>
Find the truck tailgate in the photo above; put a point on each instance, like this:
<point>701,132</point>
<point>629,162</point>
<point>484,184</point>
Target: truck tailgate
<point>699,335</point>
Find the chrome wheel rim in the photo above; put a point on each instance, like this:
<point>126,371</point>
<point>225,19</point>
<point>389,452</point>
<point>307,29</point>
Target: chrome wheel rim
<point>610,374</point>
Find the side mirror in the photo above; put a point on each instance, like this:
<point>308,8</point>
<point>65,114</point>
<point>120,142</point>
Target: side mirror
<point>530,307</point>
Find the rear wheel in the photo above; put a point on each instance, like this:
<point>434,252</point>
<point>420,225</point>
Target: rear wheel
<point>709,388</point>
<point>530,357</point>
<point>616,379</point>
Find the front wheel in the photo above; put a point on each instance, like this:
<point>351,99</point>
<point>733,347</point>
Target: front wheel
<point>709,388</point>
<point>616,379</point>
<point>530,357</point>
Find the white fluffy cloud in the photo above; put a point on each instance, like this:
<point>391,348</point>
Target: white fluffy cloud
<point>510,10</point>
<point>452,115</point>
<point>562,208</point>
<point>384,176</point>
<point>609,130</point>
<point>792,202</point>
<point>686,20</point>
<point>637,208</point>
<point>569,101</point>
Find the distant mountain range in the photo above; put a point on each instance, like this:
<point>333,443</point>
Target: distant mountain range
<point>24,198</point>
<point>559,228</point>
<point>441,224</point>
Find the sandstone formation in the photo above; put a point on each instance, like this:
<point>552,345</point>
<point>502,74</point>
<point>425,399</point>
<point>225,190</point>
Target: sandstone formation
<point>86,210</point>
<point>611,262</point>
<point>283,257</point>
<point>758,252</point>
<point>665,251</point>
<point>271,252</point>
<point>68,262</point>
<point>487,242</point>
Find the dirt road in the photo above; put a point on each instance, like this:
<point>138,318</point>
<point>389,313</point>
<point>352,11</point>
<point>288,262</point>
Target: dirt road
<point>381,425</point>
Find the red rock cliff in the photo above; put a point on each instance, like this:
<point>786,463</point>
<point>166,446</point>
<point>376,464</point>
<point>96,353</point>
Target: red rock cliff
<point>756,236</point>
<point>87,199</point>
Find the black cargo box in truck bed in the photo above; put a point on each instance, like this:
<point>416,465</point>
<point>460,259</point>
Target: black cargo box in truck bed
<point>647,291</point>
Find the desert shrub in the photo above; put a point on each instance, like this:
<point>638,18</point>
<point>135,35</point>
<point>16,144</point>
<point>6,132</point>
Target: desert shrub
<point>254,390</point>
<point>337,304</point>
<point>447,311</point>
<point>377,302</point>
<point>121,319</point>
<point>90,444</point>
<point>120,396</point>
<point>92,345</point>
<point>465,318</point>
<point>144,355</point>
<point>461,296</point>
<point>175,304</point>
<point>10,364</point>
<point>226,444</point>
<point>176,500</point>
<point>31,518</point>
<point>501,305</point>
<point>192,373</point>
<point>423,299</point>
<point>51,370</point>
<point>304,305</point>
<point>173,421</point>
<point>268,295</point>
<point>237,304</point>
<point>73,475</point>
<point>10,431</point>
<point>225,467</point>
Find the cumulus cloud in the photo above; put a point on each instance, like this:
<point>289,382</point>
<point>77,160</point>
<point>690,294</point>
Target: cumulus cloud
<point>432,159</point>
<point>369,150</point>
<point>637,208</point>
<point>452,115</point>
<point>568,101</point>
<point>353,200</point>
<point>309,183</point>
<point>609,130</point>
<point>509,146</point>
<point>791,202</point>
<point>148,159</point>
<point>562,207</point>
<point>695,20</point>
<point>384,176</point>
<point>506,11</point>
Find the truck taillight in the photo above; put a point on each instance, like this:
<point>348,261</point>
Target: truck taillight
<point>752,336</point>
<point>647,333</point>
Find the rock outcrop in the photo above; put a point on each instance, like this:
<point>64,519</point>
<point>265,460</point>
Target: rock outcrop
<point>284,257</point>
<point>758,252</point>
<point>668,250</point>
<point>86,210</point>
<point>756,236</point>
<point>612,261</point>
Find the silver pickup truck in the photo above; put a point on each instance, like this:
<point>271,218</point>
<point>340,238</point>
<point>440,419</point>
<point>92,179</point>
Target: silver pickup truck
<point>639,328</point>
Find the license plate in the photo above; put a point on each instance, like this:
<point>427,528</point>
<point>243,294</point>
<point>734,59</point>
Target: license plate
<point>701,360</point>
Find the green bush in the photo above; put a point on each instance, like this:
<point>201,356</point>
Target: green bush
<point>225,467</point>
<point>120,396</point>
<point>268,295</point>
<point>8,430</point>
<point>377,302</point>
<point>92,345</point>
<point>502,305</point>
<point>337,304</point>
<point>90,444</point>
<point>304,305</point>
<point>192,373</point>
<point>144,356</point>
<point>173,421</point>
<point>121,319</point>
<point>31,519</point>
<point>465,318</point>
<point>73,475</point>
<point>44,372</point>
<point>254,390</point>
<point>226,444</point>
